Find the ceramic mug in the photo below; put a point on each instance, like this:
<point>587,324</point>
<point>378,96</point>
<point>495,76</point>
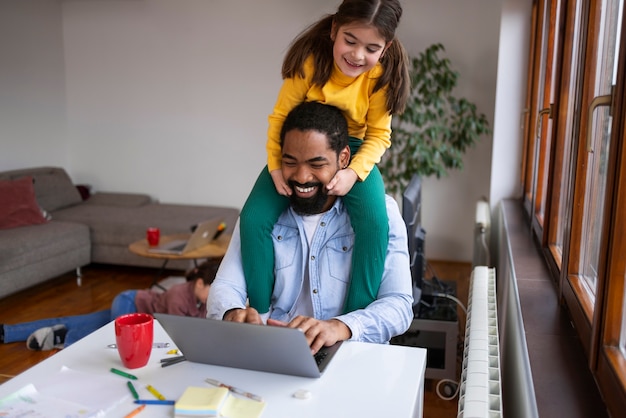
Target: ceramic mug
<point>153,235</point>
<point>134,334</point>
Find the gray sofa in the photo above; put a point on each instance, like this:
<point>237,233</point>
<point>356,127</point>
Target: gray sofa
<point>97,229</point>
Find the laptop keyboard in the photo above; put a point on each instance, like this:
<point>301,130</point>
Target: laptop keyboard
<point>178,247</point>
<point>320,356</point>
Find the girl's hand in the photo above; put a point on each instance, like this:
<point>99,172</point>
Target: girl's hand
<point>279,182</point>
<point>343,181</point>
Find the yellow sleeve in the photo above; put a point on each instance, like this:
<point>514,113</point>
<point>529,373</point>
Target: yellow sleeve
<point>292,93</point>
<point>377,136</point>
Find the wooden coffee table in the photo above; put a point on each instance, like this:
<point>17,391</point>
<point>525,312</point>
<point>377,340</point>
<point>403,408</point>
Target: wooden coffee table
<point>215,249</point>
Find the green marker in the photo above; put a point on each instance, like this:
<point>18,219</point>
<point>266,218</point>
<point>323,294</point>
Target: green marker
<point>121,373</point>
<point>132,389</point>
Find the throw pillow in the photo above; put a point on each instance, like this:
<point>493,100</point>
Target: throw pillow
<point>18,205</point>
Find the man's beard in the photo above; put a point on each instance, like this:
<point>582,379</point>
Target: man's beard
<point>310,205</point>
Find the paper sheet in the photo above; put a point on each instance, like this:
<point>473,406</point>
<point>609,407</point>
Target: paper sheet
<point>29,403</point>
<point>67,393</point>
<point>98,391</point>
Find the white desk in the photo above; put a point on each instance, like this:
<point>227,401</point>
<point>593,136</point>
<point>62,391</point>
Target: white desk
<point>363,380</point>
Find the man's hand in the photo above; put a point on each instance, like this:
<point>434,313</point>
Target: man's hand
<point>342,183</point>
<point>249,315</point>
<point>318,333</point>
<point>279,182</point>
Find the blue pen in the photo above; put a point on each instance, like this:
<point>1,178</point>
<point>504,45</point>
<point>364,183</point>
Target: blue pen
<point>154,402</point>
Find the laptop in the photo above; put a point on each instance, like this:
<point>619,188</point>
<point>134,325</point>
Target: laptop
<point>263,348</point>
<point>204,233</point>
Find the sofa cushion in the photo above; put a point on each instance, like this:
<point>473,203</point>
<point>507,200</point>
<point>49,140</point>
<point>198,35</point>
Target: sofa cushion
<point>55,190</point>
<point>120,225</point>
<point>53,187</point>
<point>30,245</point>
<point>18,206</point>
<point>118,199</point>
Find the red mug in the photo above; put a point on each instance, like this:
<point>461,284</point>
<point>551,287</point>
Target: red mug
<point>153,235</point>
<point>134,333</point>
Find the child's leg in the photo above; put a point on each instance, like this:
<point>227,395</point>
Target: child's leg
<point>21,332</point>
<point>368,216</point>
<point>258,216</point>
<point>123,303</point>
<point>86,325</point>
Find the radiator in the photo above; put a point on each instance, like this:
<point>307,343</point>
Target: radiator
<point>482,231</point>
<point>480,394</point>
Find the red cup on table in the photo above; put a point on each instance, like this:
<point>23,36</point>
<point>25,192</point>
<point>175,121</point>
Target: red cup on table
<point>153,235</point>
<point>134,333</point>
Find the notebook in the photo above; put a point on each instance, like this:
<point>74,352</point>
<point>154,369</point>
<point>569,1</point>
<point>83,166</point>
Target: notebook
<point>246,346</point>
<point>204,233</point>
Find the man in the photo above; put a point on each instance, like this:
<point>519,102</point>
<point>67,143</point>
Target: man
<point>313,243</point>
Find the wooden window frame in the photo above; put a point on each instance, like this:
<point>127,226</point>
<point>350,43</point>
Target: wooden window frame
<point>598,320</point>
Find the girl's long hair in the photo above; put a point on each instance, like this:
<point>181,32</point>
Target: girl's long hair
<point>316,40</point>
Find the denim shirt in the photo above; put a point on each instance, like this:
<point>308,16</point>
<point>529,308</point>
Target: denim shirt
<point>329,262</point>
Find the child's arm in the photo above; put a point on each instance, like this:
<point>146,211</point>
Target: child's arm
<point>292,93</point>
<point>375,143</point>
<point>279,182</point>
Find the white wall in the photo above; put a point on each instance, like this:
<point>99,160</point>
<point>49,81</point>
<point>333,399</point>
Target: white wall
<point>171,98</point>
<point>510,101</point>
<point>32,85</point>
<point>469,32</point>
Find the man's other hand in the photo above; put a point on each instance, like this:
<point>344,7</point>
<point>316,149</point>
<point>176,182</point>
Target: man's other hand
<point>318,333</point>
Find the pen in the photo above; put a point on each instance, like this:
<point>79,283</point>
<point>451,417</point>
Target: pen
<point>132,389</point>
<point>135,411</point>
<point>154,402</point>
<point>121,373</point>
<point>234,389</point>
<point>168,359</point>
<point>173,360</point>
<point>155,392</point>
<point>155,345</point>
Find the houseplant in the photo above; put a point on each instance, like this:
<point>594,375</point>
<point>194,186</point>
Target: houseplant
<point>436,128</point>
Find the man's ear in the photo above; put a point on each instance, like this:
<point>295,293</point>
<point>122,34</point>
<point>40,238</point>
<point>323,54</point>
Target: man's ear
<point>344,157</point>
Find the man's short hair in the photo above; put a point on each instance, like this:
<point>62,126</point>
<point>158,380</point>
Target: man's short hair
<point>314,116</point>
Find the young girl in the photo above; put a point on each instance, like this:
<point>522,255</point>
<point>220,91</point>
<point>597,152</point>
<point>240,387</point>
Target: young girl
<point>186,299</point>
<point>351,60</point>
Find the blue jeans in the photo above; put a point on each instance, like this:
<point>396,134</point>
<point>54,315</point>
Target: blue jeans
<point>78,326</point>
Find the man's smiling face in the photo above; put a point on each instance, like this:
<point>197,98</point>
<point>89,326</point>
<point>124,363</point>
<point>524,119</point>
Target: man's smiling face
<point>308,164</point>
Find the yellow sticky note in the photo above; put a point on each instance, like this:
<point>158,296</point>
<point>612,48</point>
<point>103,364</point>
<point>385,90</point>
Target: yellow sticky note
<point>201,401</point>
<point>242,408</point>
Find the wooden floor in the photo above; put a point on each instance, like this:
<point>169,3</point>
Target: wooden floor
<point>100,284</point>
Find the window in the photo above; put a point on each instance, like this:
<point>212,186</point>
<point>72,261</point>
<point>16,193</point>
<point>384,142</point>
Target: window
<point>574,172</point>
